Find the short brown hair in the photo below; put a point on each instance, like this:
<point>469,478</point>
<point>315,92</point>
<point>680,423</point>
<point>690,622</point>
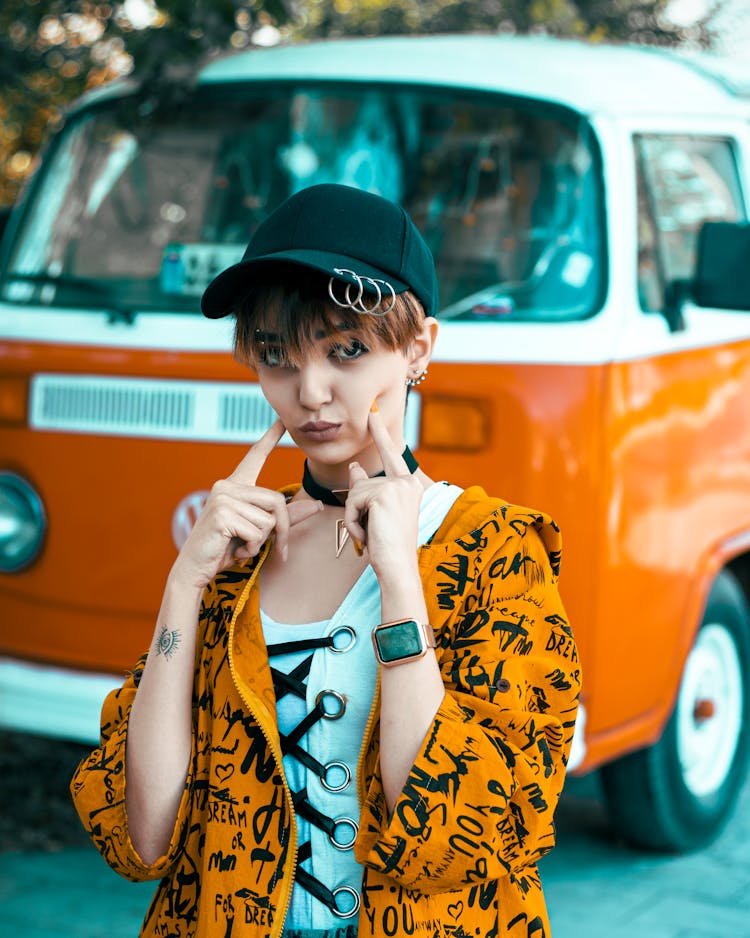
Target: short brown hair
<point>296,300</point>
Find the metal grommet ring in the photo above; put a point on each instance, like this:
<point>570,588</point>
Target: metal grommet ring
<point>339,698</point>
<point>343,630</point>
<point>336,765</point>
<point>345,821</point>
<point>355,908</point>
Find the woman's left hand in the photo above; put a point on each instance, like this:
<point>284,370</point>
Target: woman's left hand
<point>383,512</point>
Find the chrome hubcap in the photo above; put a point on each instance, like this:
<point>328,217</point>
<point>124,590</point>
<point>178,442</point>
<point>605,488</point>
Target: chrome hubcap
<point>709,710</point>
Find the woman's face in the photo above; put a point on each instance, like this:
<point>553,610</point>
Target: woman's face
<point>324,402</point>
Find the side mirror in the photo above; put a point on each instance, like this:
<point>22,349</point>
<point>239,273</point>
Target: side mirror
<point>722,266</point>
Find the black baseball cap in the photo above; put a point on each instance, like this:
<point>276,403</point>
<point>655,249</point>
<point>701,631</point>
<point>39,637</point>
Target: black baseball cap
<point>333,228</point>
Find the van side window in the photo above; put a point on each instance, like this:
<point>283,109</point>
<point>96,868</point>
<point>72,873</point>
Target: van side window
<point>682,181</point>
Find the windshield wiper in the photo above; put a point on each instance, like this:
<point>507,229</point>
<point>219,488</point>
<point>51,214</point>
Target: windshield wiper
<point>116,311</point>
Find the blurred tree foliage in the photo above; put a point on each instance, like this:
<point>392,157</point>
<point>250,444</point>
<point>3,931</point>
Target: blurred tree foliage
<point>642,21</point>
<point>52,51</point>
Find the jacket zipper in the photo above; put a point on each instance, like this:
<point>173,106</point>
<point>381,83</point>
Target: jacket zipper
<point>374,710</point>
<point>238,608</point>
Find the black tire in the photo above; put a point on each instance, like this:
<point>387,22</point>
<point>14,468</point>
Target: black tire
<point>653,800</point>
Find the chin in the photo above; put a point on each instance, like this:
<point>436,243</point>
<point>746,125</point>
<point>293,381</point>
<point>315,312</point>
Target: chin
<point>336,452</point>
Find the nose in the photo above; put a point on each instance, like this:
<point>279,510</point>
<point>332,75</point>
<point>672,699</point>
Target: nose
<point>314,385</point>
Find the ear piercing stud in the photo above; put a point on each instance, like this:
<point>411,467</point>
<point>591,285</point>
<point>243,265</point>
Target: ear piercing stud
<point>417,379</point>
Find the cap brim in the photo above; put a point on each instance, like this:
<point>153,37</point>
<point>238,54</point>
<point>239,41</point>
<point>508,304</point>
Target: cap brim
<point>224,290</point>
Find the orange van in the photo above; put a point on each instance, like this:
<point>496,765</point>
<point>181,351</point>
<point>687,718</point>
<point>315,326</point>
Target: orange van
<point>587,208</point>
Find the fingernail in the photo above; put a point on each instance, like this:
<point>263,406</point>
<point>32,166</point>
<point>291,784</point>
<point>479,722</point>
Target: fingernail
<point>321,506</point>
<point>353,465</point>
<point>284,553</point>
<point>374,408</point>
<point>358,548</point>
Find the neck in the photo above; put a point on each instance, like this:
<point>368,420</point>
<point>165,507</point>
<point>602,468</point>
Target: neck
<point>319,489</point>
<point>336,475</point>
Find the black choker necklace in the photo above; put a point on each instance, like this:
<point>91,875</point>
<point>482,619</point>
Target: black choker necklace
<point>337,497</point>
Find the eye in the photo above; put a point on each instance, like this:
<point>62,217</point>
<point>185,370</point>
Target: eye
<point>349,353</point>
<point>272,356</point>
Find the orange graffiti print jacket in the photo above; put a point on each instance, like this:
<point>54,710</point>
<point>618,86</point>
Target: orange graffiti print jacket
<point>457,855</point>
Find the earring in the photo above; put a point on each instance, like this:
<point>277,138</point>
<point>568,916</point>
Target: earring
<point>417,379</point>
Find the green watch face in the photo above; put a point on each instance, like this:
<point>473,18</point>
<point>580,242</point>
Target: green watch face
<point>401,640</point>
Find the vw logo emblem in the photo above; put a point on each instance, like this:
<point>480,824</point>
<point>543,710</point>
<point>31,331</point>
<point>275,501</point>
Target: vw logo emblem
<point>185,515</point>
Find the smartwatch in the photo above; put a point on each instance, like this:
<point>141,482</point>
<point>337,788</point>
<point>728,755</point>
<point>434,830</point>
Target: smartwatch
<point>401,641</point>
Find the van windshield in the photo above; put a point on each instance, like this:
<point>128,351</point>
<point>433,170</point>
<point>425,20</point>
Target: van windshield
<point>138,207</point>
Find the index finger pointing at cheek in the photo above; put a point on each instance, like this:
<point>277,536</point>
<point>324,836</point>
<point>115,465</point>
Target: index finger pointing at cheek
<point>249,468</point>
<point>393,461</point>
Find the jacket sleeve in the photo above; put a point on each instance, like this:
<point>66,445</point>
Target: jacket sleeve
<point>479,801</point>
<point>98,790</point>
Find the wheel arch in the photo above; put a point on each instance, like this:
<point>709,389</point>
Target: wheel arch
<point>740,567</point>
<point>731,554</point>
<point>656,797</point>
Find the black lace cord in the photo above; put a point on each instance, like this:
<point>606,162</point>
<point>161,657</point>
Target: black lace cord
<point>311,813</point>
<point>304,644</point>
<point>284,684</point>
<point>308,882</point>
<point>292,683</point>
<point>317,713</point>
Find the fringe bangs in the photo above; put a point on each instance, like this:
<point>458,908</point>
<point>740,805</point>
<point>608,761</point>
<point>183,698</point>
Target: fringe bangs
<point>294,304</point>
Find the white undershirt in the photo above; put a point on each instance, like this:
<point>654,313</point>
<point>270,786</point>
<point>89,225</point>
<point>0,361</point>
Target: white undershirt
<point>351,673</point>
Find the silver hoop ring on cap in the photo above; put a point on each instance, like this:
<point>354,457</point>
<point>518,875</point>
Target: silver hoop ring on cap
<point>346,822</point>
<point>360,306</point>
<point>355,908</point>
<point>357,305</point>
<point>349,304</point>
<point>343,630</point>
<point>339,698</point>
<point>332,295</point>
<point>382,312</point>
<point>336,765</point>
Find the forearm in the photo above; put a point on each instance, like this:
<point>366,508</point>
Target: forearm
<point>160,723</point>
<point>411,693</point>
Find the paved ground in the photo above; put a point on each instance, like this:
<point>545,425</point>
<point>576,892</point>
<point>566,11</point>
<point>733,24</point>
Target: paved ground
<point>597,888</point>
<point>57,886</point>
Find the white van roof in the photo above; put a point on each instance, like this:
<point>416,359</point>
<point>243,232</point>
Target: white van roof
<point>585,76</point>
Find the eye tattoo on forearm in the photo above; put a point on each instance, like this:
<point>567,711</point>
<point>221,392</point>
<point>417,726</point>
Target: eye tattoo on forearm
<point>167,642</point>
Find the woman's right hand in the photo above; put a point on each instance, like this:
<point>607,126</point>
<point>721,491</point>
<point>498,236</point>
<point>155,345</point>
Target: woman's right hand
<point>239,517</point>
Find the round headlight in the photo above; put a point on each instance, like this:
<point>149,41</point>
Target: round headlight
<point>22,523</point>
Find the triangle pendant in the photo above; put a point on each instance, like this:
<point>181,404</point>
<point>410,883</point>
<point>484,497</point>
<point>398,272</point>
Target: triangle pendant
<point>342,536</point>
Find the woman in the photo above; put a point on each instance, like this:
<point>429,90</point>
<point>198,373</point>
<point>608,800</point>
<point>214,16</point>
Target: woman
<point>276,767</point>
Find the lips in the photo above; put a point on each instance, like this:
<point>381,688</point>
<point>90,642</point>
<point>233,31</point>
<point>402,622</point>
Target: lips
<point>317,426</point>
<point>320,430</point>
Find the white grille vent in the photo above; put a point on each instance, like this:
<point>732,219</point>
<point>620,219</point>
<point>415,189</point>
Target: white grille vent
<point>82,403</point>
<point>144,407</point>
<point>239,412</point>
<point>209,411</point>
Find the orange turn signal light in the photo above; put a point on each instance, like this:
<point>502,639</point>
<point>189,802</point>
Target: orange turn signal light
<point>454,423</point>
<point>14,395</point>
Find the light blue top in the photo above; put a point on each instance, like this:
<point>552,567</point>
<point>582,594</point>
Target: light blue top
<point>350,672</point>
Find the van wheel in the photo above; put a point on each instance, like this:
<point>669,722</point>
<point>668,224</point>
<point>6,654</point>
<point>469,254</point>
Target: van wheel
<point>677,794</point>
